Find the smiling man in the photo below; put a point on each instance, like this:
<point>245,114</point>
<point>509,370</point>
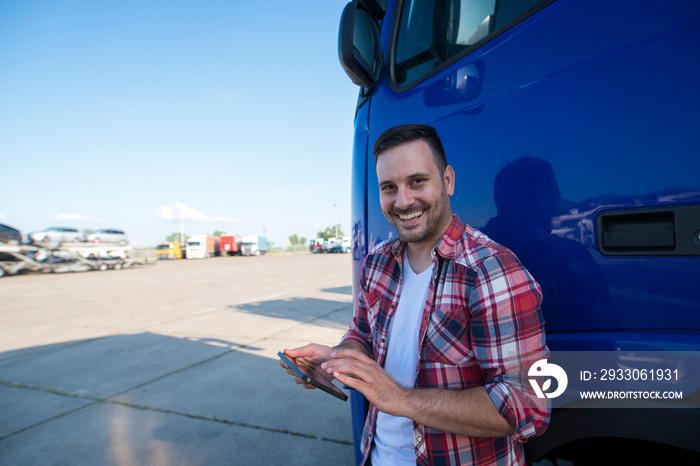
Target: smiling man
<point>415,183</point>
<point>446,326</point>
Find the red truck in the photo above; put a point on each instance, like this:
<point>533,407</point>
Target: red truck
<point>230,245</point>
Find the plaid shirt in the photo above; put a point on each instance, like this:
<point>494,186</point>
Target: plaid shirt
<point>481,326</point>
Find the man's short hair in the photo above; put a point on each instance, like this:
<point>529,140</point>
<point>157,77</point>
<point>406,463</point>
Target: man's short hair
<point>403,134</point>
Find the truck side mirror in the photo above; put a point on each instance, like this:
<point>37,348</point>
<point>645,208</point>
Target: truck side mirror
<point>359,49</point>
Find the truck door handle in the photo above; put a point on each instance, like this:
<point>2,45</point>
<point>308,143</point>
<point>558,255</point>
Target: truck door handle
<point>650,232</point>
<point>640,231</point>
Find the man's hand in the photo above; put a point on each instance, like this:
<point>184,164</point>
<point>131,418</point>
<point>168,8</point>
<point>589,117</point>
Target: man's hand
<point>310,355</point>
<point>467,412</point>
<point>362,373</point>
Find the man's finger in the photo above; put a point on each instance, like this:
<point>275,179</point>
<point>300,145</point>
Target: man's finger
<point>352,382</point>
<point>351,354</point>
<point>352,368</point>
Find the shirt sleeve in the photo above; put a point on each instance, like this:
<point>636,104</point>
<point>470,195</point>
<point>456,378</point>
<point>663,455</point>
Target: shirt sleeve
<point>360,329</point>
<point>507,331</point>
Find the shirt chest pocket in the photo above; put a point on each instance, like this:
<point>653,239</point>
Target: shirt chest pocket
<point>372,304</point>
<point>378,309</point>
<point>447,339</point>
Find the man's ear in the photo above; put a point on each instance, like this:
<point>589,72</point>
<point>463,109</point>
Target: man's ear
<point>449,180</point>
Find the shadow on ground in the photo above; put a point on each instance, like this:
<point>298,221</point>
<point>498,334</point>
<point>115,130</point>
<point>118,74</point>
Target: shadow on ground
<point>340,290</point>
<point>153,399</point>
<point>298,309</point>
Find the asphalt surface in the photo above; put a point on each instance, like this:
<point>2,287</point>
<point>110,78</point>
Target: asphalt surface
<point>172,364</point>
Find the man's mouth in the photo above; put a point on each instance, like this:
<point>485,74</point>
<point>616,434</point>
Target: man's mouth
<point>411,215</point>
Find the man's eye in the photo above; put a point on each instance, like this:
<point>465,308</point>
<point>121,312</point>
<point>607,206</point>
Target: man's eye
<point>387,188</point>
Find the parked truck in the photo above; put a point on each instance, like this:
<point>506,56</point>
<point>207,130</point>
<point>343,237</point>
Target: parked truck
<point>50,257</point>
<point>201,246</point>
<point>253,245</point>
<point>170,250</point>
<point>316,245</point>
<point>329,244</point>
<point>230,245</point>
<point>343,245</point>
<point>572,127</point>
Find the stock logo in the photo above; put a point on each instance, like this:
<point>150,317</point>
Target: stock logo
<point>543,369</point>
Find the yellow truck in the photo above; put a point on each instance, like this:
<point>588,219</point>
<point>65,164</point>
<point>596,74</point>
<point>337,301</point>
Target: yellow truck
<point>171,250</point>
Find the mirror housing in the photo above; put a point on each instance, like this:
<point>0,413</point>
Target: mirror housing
<point>359,48</point>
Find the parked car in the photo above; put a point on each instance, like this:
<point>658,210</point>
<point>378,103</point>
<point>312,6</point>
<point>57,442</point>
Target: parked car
<point>108,236</point>
<point>56,234</point>
<point>10,235</point>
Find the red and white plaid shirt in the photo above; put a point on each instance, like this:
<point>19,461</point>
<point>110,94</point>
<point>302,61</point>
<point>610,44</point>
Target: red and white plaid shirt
<point>481,326</point>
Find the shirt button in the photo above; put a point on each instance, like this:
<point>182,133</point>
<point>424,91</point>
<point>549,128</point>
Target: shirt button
<point>383,340</point>
<point>419,439</point>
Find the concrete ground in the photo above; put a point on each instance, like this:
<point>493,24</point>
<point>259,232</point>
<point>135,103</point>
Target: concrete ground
<point>172,364</point>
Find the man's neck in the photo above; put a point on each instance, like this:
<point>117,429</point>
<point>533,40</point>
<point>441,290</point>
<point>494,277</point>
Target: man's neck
<point>418,259</point>
<point>420,254</point>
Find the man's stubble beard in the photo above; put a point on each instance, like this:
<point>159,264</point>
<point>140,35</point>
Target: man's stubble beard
<point>432,227</point>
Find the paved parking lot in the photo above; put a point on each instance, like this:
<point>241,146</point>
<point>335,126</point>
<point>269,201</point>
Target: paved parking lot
<point>172,364</point>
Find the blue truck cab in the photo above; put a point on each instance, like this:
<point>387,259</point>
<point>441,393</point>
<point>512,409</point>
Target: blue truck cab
<point>573,127</point>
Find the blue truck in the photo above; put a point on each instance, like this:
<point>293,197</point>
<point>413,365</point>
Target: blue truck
<point>574,130</point>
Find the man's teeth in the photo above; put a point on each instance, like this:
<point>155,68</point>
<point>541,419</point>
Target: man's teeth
<point>411,215</point>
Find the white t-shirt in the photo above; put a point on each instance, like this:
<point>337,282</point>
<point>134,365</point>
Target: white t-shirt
<point>393,440</point>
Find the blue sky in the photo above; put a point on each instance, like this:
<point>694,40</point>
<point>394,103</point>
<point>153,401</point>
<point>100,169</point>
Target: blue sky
<point>126,114</point>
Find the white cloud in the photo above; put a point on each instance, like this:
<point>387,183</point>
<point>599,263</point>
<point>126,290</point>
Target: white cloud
<point>167,214</point>
<point>77,217</point>
<point>173,212</point>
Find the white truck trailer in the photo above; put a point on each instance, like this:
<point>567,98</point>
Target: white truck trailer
<point>201,246</point>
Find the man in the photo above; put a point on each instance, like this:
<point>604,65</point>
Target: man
<point>447,323</point>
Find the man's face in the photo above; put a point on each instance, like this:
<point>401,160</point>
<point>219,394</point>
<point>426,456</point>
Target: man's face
<point>413,195</point>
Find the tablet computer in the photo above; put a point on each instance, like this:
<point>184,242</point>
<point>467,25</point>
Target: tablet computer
<point>311,375</point>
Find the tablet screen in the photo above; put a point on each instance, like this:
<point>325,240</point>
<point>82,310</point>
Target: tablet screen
<point>313,376</point>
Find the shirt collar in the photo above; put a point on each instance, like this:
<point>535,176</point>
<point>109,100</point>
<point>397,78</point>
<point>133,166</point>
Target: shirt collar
<point>446,245</point>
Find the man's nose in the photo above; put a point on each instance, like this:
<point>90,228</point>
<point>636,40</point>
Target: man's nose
<point>404,198</point>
